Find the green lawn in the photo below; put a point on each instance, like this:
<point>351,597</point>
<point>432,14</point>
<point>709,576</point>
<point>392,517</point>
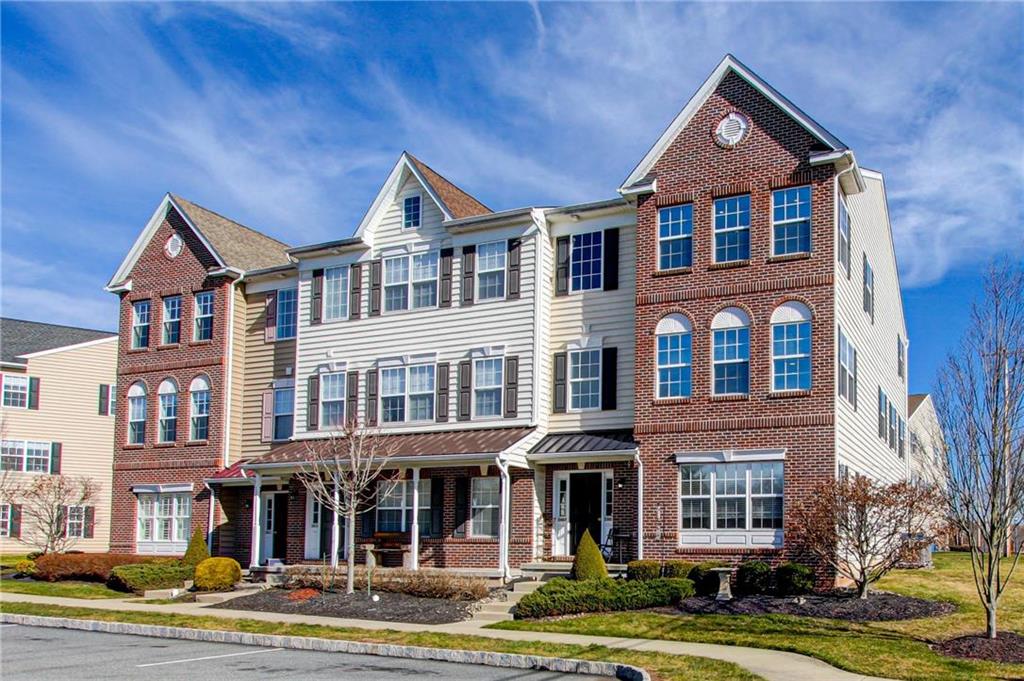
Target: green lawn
<point>663,667</point>
<point>69,589</point>
<point>891,649</point>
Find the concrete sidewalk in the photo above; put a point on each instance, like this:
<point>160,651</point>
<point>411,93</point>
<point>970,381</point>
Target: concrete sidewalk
<point>773,665</point>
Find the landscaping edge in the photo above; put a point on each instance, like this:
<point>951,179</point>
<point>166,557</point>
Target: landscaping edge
<point>489,659</point>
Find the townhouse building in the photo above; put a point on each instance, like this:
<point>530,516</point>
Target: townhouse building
<point>670,369</point>
<point>56,419</point>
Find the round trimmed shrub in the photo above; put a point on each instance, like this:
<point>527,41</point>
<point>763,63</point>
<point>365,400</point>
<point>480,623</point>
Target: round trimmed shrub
<point>677,569</point>
<point>753,577</point>
<point>588,563</point>
<point>196,552</point>
<point>643,570</point>
<point>217,574</point>
<point>25,567</point>
<point>704,580</point>
<point>793,579</point>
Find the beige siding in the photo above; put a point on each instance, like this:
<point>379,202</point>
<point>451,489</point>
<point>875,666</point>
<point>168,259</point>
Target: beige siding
<point>264,362</point>
<point>68,413</point>
<point>925,443</point>
<point>235,444</point>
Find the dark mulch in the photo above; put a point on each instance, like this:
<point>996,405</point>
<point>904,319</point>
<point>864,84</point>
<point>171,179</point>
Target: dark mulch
<point>1007,647</point>
<point>880,606</point>
<point>392,607</point>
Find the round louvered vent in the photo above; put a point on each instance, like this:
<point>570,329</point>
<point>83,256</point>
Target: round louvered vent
<point>173,246</point>
<point>732,129</point>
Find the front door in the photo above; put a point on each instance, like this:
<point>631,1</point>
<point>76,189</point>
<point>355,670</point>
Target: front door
<point>275,524</point>
<point>586,507</point>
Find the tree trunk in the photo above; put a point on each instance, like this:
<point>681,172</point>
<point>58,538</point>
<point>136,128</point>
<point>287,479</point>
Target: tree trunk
<point>990,625</point>
<point>862,589</point>
<point>350,552</point>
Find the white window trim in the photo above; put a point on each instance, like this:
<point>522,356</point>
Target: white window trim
<point>165,319</point>
<point>160,412</point>
<point>345,294</point>
<point>841,210</point>
<point>67,522</point>
<point>320,399</point>
<point>175,544</point>
<point>406,395</point>
<point>291,413</point>
<point>725,230</point>
<point>419,217</point>
<point>773,357</point>
<point>15,378</point>
<point>192,415</point>
<point>571,380</point>
<point>850,372</point>
<point>809,220</point>
<point>24,443</point>
<point>726,538</point>
<point>501,389</point>
<point>196,316</point>
<point>503,249</point>
<point>471,532</point>
<point>406,502</point>
<point>662,240</point>
<point>277,324</point>
<point>137,324</point>
<point>716,362</point>
<point>410,282</point>
<point>572,288</point>
<point>5,520</point>
<point>658,367</point>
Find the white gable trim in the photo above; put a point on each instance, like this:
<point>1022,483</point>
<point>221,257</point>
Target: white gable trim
<point>727,65</point>
<point>115,283</point>
<point>389,190</point>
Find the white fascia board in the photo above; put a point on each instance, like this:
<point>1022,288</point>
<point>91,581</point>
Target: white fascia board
<point>575,457</point>
<point>65,348</point>
<point>389,188</point>
<point>875,175</point>
<point>162,489</point>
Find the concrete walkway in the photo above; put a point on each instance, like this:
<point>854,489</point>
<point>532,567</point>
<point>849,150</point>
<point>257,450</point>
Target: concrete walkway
<point>773,665</point>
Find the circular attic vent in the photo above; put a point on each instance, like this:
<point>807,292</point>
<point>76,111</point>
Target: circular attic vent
<point>732,129</point>
<point>173,246</point>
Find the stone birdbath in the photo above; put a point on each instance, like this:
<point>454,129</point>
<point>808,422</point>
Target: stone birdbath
<point>724,590</point>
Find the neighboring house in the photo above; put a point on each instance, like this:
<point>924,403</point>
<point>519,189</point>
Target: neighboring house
<point>926,440</point>
<point>56,418</point>
<point>670,369</point>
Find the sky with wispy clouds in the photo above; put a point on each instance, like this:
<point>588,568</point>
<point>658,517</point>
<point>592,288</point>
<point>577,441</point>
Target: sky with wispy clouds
<point>288,118</point>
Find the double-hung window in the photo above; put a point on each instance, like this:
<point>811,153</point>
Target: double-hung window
<point>28,456</point>
<point>199,409</point>
<point>731,496</point>
<point>335,294</point>
<point>791,221</point>
<point>411,212</point>
<point>883,408</point>
<point>203,314</point>
<point>900,358</point>
<point>171,322</point>
<point>287,313</point>
<point>284,405</point>
<point>332,399</point>
<point>490,267</point>
<point>487,387</point>
<point>585,379</point>
<point>5,520</point>
<point>137,414</point>
<point>424,280</point>
<point>847,369</point>
<point>869,288</point>
<point>16,391</point>
<point>674,340</point>
<point>140,324</point>
<point>843,249</point>
<point>892,426</point>
<point>732,229</point>
<point>675,237</point>
<point>168,411</point>
<point>75,526</point>
<point>485,501</point>
<point>730,337</point>
<point>394,506</point>
<point>791,356</point>
<point>398,280</point>
<point>902,444</point>
<point>164,517</point>
<point>586,263</point>
<point>407,394</point>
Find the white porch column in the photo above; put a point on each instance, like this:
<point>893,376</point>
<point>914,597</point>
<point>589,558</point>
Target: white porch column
<point>639,506</point>
<point>257,521</point>
<point>209,519</point>
<point>335,527</point>
<point>503,520</point>
<point>414,559</point>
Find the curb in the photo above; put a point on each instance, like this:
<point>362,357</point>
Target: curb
<point>488,659</point>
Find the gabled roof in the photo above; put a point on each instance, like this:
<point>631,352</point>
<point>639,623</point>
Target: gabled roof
<point>19,337</point>
<point>915,401</point>
<point>729,64</point>
<point>459,203</point>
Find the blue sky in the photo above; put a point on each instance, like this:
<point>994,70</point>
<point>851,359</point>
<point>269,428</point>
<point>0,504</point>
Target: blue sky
<point>288,117</point>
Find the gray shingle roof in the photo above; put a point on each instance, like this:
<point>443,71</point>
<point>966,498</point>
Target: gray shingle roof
<point>239,246</point>
<point>19,337</point>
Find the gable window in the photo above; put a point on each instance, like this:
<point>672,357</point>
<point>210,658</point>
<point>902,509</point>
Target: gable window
<point>586,262</point>
<point>731,496</point>
<point>168,393</point>
<point>791,347</point>
<point>397,281</point>
<point>15,391</point>
<point>25,455</point>
<point>407,394</point>
<point>900,358</point>
<point>140,324</point>
<point>199,408</point>
<point>847,370</point>
<point>585,379</point>
<point>411,212</point>
<point>791,221</point>
<point>675,237</point>
<point>164,517</point>
<point>869,289</point>
<point>137,414</point>
<point>731,352</point>
<point>487,386</point>
<point>490,265</point>
<point>287,313</point>
<point>732,229</point>
<point>203,316</point>
<point>332,399</point>
<point>674,356</point>
<point>843,249</point>
<point>394,506</point>
<point>75,521</point>
<point>284,405</point>
<point>171,322</point>
<point>485,498</point>
<point>335,294</point>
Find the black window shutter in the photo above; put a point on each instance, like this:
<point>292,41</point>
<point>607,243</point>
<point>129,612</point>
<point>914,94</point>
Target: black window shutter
<point>375,267</point>
<point>515,247</point>
<point>104,406</point>
<point>444,298</point>
<point>609,377</point>
<point>371,397</point>
<point>55,451</point>
<point>15,526</point>
<point>90,522</point>
<point>313,402</point>
<point>436,507</point>
<point>352,397</point>
<point>611,259</point>
<point>33,393</point>
<point>468,273</point>
<point>562,266</point>
<point>317,298</point>
<point>511,387</point>
<point>355,291</point>
<point>561,359</point>
<point>368,518</point>
<point>443,384</point>
<point>465,390</point>
<point>461,506</point>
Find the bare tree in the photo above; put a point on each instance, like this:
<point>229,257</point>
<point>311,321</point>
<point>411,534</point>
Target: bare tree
<point>864,529</point>
<point>980,400</point>
<point>342,474</point>
<point>44,505</point>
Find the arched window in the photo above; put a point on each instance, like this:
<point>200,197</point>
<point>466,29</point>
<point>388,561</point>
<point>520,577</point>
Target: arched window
<point>730,342</point>
<point>199,408</point>
<point>168,392</point>
<point>137,414</point>
<point>791,347</point>
<point>674,335</point>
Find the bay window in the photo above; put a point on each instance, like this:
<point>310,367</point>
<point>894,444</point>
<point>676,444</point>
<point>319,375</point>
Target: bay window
<point>743,496</point>
<point>164,518</point>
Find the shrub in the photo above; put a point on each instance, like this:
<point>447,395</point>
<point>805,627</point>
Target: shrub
<point>793,579</point>
<point>141,577</point>
<point>643,570</point>
<point>217,574</point>
<point>677,569</point>
<point>90,567</point>
<point>196,552</point>
<point>25,567</point>
<point>704,580</point>
<point>588,563</point>
<point>32,555</point>
<point>754,577</point>
<point>425,584</point>
<point>563,597</point>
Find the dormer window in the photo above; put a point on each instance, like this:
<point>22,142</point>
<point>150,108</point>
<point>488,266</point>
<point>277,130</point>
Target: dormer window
<point>411,212</point>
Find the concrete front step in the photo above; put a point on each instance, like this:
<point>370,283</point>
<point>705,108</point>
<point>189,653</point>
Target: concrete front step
<point>523,588</point>
<point>492,616</point>
<point>496,607</point>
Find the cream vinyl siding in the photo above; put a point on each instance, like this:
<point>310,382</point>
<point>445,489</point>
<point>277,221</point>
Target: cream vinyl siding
<point>545,293</point>
<point>68,413</point>
<point>238,368</point>
<point>926,462</point>
<point>857,442</point>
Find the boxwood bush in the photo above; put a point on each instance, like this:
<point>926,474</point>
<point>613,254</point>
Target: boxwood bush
<point>677,569</point>
<point>753,577</point>
<point>144,576</point>
<point>588,563</point>
<point>704,580</point>
<point>218,574</point>
<point>564,597</point>
<point>643,570</point>
<point>793,579</point>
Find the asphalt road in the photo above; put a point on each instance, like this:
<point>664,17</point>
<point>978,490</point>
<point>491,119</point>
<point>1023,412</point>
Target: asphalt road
<point>44,653</point>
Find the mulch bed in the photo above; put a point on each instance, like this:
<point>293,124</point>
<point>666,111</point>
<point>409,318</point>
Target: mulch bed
<point>1007,647</point>
<point>880,606</point>
<point>392,607</point>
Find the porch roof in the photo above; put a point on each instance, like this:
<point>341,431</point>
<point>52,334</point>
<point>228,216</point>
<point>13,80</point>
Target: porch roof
<point>584,442</point>
<point>232,473</point>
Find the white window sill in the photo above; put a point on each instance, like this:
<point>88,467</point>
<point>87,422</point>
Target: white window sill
<point>160,547</point>
<point>713,539</point>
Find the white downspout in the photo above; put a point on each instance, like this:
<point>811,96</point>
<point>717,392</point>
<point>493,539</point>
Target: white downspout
<point>639,506</point>
<point>209,519</point>
<point>229,351</point>
<point>414,529</point>
<point>336,527</point>
<point>254,543</point>
<point>503,519</point>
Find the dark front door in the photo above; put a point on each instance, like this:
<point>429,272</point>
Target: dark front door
<point>280,526</point>
<point>584,506</point>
